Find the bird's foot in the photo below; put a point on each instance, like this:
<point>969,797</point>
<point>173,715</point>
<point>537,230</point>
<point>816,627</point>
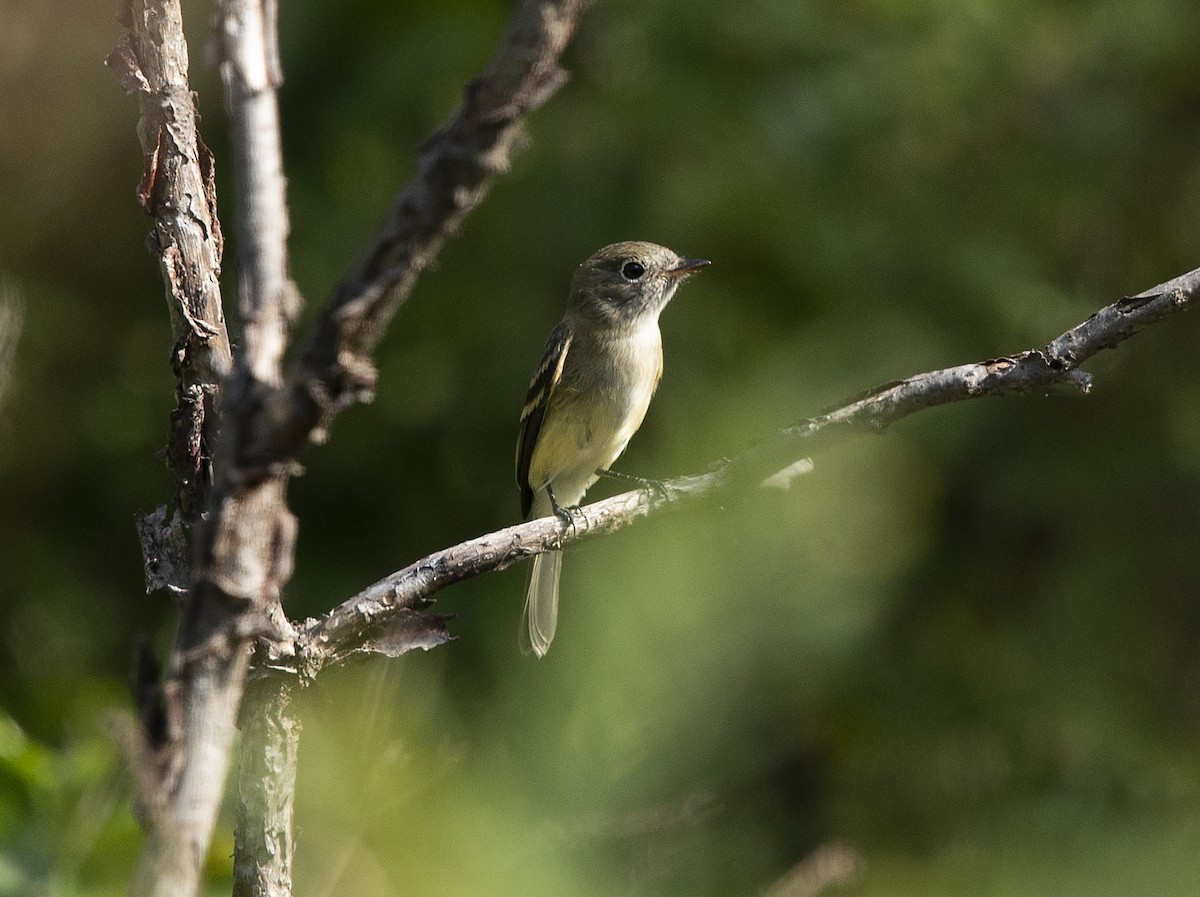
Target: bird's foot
<point>565,514</point>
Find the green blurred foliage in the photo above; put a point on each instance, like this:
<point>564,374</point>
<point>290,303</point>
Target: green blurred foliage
<point>970,648</point>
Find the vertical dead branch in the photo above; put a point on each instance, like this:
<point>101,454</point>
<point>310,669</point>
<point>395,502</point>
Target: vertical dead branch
<point>246,44</point>
<point>181,775</point>
<point>244,551</point>
<point>244,546</point>
<point>248,545</point>
<point>456,168</point>
<point>262,849</point>
<point>180,828</point>
<point>151,62</point>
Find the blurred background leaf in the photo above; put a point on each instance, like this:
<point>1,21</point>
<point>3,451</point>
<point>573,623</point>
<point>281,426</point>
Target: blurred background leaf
<point>969,649</point>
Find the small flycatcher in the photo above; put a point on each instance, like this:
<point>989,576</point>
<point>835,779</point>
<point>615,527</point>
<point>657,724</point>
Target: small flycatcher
<point>601,366</point>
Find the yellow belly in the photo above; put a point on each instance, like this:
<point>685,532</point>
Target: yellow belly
<point>588,428</point>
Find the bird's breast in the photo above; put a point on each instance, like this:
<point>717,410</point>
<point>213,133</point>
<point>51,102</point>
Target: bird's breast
<point>598,405</point>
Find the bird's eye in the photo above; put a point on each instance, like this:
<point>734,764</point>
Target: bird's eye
<point>632,270</point>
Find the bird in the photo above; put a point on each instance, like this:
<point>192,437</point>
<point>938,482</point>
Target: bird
<point>600,368</point>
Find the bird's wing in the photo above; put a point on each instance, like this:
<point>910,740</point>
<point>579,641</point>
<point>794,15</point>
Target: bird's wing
<point>540,389</point>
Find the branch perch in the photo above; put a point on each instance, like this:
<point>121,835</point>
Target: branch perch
<point>245,546</point>
<point>393,601</point>
<point>456,168</point>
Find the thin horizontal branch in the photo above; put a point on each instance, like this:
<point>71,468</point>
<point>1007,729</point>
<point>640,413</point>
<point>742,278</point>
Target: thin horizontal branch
<point>1055,364</point>
<point>395,599</point>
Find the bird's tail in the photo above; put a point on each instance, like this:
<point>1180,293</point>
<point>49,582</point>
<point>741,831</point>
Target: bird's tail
<point>540,617</point>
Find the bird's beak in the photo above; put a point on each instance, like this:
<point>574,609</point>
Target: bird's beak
<point>687,266</point>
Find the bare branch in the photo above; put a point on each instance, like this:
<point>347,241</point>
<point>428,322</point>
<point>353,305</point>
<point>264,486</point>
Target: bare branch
<point>455,171</point>
<point>245,43</point>
<point>180,826</point>
<point>183,759</point>
<point>343,631</point>
<point>151,61</point>
<point>245,549</point>
<point>1057,363</point>
<point>263,839</point>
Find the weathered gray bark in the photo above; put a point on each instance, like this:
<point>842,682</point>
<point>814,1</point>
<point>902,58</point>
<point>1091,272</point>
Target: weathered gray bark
<point>263,839</point>
<point>151,62</point>
<point>244,543</point>
<point>456,168</point>
<point>176,770</point>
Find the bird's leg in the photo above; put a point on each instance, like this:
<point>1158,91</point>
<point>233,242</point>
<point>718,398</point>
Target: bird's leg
<point>656,486</point>
<point>563,514</point>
